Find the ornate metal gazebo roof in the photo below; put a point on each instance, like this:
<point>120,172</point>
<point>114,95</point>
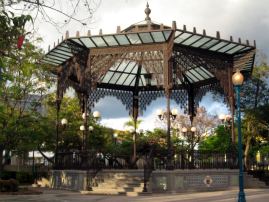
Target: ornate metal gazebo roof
<point>148,60</point>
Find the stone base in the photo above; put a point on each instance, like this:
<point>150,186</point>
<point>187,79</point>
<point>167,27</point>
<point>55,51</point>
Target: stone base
<point>161,181</point>
<point>193,180</point>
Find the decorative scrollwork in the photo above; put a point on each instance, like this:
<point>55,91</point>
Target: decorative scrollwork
<point>146,97</point>
<point>201,92</point>
<point>126,97</point>
<point>180,97</point>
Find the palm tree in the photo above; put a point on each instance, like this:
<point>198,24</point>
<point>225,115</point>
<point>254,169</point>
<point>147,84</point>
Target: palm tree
<point>132,123</point>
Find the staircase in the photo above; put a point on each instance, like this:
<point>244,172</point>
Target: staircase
<point>251,181</point>
<point>118,183</point>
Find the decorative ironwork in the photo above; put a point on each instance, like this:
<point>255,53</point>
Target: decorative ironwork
<point>201,92</point>
<point>146,97</point>
<point>125,97</point>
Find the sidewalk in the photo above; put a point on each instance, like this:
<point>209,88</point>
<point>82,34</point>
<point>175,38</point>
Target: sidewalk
<point>252,195</point>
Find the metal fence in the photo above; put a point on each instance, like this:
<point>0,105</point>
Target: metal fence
<point>181,160</point>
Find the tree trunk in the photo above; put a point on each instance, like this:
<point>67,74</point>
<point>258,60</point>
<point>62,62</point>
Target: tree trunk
<point>1,160</point>
<point>246,151</point>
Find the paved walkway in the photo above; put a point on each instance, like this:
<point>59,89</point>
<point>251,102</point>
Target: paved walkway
<point>253,195</point>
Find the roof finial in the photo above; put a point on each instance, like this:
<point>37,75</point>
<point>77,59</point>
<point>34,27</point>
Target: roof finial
<point>147,11</point>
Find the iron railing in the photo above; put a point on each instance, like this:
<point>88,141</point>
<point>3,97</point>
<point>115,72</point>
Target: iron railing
<point>181,160</point>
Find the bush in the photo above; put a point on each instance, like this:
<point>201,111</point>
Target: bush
<point>11,185</point>
<point>6,175</point>
<point>24,177</point>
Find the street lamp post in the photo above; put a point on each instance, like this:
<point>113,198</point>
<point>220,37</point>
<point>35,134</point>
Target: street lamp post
<point>63,124</point>
<point>192,130</point>
<point>172,115</point>
<point>227,120</point>
<point>238,81</point>
<point>115,136</point>
<point>133,132</point>
<point>85,128</point>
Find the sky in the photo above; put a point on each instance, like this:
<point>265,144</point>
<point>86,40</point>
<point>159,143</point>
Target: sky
<point>247,19</point>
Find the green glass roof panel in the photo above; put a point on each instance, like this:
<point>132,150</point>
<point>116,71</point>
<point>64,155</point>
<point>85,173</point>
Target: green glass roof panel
<point>140,83</point>
<point>63,49</point>
<point>122,39</point>
<point>210,43</point>
<point>167,34</point>
<point>247,48</point>
<point>52,60</point>
<point>134,39</point>
<point>114,66</point>
<point>61,52</point>
<point>200,42</point>
<point>111,41</point>
<point>107,77</point>
<point>218,46</point>
<point>225,48</point>
<point>178,33</point>
<point>99,41</point>
<point>130,67</point>
<point>135,69</point>
<point>59,55</point>
<point>122,66</point>
<point>122,78</point>
<point>77,41</point>
<point>182,37</point>
<point>55,58</point>
<point>207,72</point>
<point>196,74</point>
<point>129,80</point>
<point>202,73</point>
<point>143,80</point>
<point>49,62</point>
<point>133,82</point>
<point>191,40</point>
<point>191,76</point>
<point>115,77</point>
<point>235,49</point>
<point>158,36</point>
<point>145,37</point>
<point>88,42</point>
<point>143,70</point>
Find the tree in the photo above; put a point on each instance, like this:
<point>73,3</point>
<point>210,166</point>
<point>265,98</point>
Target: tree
<point>22,90</point>
<point>255,94</point>
<point>218,142</point>
<point>11,28</point>
<point>202,121</point>
<point>79,11</point>
<point>132,124</point>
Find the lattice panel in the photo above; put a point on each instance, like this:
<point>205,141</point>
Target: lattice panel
<point>200,92</point>
<point>125,97</point>
<point>146,97</point>
<point>180,97</point>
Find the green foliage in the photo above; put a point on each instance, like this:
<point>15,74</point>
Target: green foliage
<point>9,185</point>
<point>11,27</point>
<point>22,89</point>
<point>219,142</point>
<point>24,177</point>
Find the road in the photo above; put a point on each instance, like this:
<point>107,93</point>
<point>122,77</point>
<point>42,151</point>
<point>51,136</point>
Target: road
<point>253,195</point>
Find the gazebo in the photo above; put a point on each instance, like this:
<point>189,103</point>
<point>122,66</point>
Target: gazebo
<point>148,60</point>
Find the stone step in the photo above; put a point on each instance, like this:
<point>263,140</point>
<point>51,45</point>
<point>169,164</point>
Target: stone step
<point>116,183</point>
<point>252,182</point>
